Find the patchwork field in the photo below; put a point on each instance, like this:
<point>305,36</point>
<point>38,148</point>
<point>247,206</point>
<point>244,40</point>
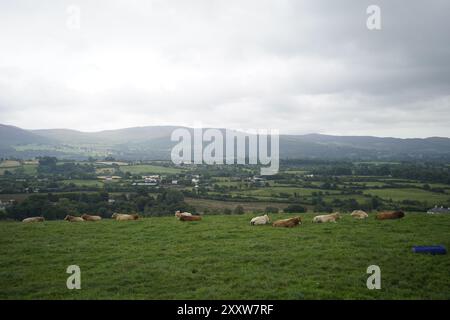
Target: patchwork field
<point>87,183</point>
<point>217,206</point>
<point>149,169</point>
<point>13,166</point>
<point>404,194</point>
<point>223,257</point>
<point>276,191</point>
<point>9,164</point>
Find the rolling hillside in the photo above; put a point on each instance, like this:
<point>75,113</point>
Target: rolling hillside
<point>11,136</point>
<point>153,142</point>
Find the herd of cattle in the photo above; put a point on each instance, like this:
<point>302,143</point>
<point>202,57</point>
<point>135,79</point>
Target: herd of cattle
<point>357,214</point>
<point>260,220</point>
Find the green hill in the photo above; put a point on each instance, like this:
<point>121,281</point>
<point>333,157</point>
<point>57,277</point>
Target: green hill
<point>153,142</point>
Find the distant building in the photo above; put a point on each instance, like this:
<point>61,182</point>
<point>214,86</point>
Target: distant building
<point>5,203</point>
<point>152,180</point>
<point>145,184</point>
<point>152,177</point>
<point>437,209</point>
<point>33,162</point>
<point>174,181</point>
<point>109,178</point>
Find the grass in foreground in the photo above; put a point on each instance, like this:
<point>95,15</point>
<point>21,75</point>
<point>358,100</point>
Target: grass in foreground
<point>223,257</point>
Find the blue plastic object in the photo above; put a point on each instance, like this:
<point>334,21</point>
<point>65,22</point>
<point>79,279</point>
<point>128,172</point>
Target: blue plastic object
<point>430,249</point>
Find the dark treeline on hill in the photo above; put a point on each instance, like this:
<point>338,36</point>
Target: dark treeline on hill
<point>431,172</point>
<point>50,166</point>
<point>57,206</point>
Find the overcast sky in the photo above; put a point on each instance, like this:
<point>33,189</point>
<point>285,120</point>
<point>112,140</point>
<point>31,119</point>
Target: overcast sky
<point>297,66</point>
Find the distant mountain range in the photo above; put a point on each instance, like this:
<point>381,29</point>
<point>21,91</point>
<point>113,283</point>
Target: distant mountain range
<point>153,142</point>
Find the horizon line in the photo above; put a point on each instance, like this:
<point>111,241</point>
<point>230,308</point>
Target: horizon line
<point>211,127</point>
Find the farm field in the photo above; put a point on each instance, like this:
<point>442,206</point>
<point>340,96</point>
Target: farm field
<point>223,257</point>
<point>149,169</point>
<point>87,183</point>
<point>358,198</point>
<point>275,191</point>
<point>215,205</point>
<point>9,164</point>
<point>405,194</point>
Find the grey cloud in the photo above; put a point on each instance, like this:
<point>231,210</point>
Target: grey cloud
<point>300,66</point>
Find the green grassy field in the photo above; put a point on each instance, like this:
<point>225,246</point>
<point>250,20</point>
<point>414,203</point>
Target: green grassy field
<point>149,169</point>
<point>275,191</point>
<point>299,172</point>
<point>367,183</point>
<point>87,183</point>
<point>359,198</point>
<point>11,166</point>
<point>217,206</point>
<point>431,198</point>
<point>223,257</point>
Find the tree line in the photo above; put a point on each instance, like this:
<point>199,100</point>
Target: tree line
<point>57,206</point>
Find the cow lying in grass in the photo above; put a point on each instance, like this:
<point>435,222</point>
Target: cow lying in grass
<point>33,219</point>
<point>327,217</point>
<point>390,215</point>
<point>87,217</point>
<point>124,217</point>
<point>260,220</point>
<point>288,223</point>
<point>359,214</point>
<point>73,219</point>
<point>190,218</point>
<point>179,214</point>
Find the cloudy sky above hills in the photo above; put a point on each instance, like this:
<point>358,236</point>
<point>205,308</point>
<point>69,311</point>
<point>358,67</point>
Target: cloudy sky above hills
<point>297,66</point>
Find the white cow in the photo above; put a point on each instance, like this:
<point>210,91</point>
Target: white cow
<point>33,219</point>
<point>359,214</point>
<point>124,217</point>
<point>260,220</point>
<point>327,218</point>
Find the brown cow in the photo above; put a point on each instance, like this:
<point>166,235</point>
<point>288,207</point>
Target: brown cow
<point>178,214</point>
<point>87,217</point>
<point>73,219</point>
<point>190,218</point>
<point>390,215</point>
<point>33,219</point>
<point>288,223</point>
